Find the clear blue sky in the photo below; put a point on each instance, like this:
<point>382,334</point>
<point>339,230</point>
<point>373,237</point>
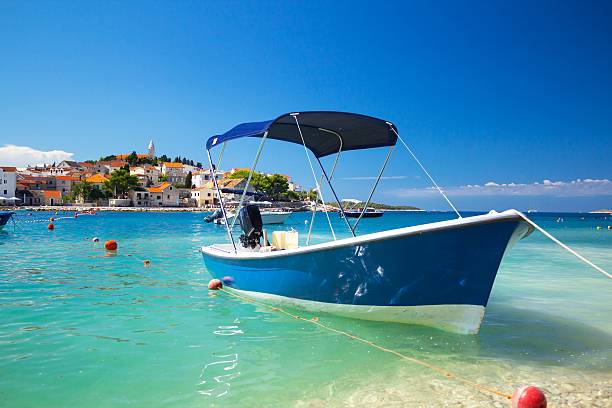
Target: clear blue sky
<point>504,92</point>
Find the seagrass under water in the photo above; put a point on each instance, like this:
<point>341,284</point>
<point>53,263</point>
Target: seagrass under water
<point>81,328</point>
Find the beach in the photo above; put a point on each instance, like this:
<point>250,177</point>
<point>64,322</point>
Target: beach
<point>81,326</point>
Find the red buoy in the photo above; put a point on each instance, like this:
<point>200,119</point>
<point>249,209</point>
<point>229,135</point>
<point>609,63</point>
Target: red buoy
<point>528,397</point>
<point>215,284</point>
<point>147,263</point>
<point>51,219</point>
<point>50,226</point>
<point>110,245</point>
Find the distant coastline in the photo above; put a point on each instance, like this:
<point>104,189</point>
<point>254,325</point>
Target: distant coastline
<point>602,211</point>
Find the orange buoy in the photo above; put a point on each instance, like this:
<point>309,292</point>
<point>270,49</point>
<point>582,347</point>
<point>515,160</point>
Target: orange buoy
<point>215,284</point>
<point>528,397</point>
<point>110,245</point>
<point>147,263</point>
<point>50,226</point>
<point>51,219</point>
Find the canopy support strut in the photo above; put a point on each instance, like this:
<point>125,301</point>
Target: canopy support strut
<point>365,207</point>
<point>425,171</point>
<point>214,178</point>
<point>261,144</point>
<point>318,186</point>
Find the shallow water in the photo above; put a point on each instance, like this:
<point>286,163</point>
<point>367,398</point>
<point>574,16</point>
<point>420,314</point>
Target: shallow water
<point>81,328</point>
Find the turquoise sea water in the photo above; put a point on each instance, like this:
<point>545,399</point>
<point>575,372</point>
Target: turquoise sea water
<point>81,328</point>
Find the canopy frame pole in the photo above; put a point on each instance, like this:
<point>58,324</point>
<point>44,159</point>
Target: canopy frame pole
<point>261,145</point>
<point>382,170</point>
<point>314,176</point>
<point>214,178</point>
<point>221,154</point>
<point>336,197</point>
<point>425,171</point>
<point>331,174</point>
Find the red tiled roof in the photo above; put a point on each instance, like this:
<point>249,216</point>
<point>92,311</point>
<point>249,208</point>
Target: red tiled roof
<point>160,188</point>
<point>9,169</point>
<point>96,178</point>
<point>71,178</point>
<point>52,194</point>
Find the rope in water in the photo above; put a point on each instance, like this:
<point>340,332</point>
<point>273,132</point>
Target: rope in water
<point>562,245</point>
<point>315,321</point>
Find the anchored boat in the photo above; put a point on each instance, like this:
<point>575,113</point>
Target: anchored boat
<point>354,212</point>
<point>5,216</point>
<point>438,274</point>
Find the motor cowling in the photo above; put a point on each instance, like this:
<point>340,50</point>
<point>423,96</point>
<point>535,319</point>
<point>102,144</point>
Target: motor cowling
<point>251,224</point>
<point>214,216</point>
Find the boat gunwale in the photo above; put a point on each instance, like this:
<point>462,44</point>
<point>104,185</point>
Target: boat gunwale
<point>507,215</point>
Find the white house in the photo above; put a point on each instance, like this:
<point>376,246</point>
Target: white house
<point>200,178</point>
<point>147,173</point>
<point>175,172</point>
<point>8,181</point>
<point>204,196</point>
<point>164,195</point>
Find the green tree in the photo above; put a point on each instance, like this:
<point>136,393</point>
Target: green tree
<point>132,159</point>
<point>108,158</point>
<point>81,191</point>
<point>120,183</point>
<point>277,187</point>
<point>188,183</point>
<point>163,178</point>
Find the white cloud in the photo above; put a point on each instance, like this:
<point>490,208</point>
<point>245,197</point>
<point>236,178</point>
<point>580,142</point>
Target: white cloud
<point>21,156</point>
<point>574,188</point>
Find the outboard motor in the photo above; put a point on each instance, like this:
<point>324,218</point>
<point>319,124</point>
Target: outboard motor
<point>251,224</point>
<point>216,215</point>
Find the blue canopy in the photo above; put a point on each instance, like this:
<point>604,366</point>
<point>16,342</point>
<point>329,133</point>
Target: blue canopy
<point>324,132</point>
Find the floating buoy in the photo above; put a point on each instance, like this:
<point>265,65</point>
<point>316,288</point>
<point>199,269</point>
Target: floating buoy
<point>215,284</point>
<point>96,239</point>
<point>147,263</point>
<point>528,397</point>
<point>110,245</point>
<point>610,227</point>
<point>50,226</point>
<point>51,219</point>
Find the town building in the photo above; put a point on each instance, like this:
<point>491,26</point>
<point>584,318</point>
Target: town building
<point>233,188</point>
<point>52,197</point>
<point>147,174</point>
<point>174,171</point>
<point>97,181</point>
<point>164,195</point>
<point>64,184</point>
<point>8,182</point>
<point>204,196</point>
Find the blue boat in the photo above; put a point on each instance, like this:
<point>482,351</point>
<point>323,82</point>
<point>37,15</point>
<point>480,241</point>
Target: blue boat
<point>438,274</point>
<point>5,216</point>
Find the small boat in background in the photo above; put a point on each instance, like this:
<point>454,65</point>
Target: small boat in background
<point>354,211</point>
<point>268,216</point>
<point>5,216</point>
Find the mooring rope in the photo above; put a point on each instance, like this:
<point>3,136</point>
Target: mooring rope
<point>425,170</point>
<point>562,245</point>
<point>315,320</point>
